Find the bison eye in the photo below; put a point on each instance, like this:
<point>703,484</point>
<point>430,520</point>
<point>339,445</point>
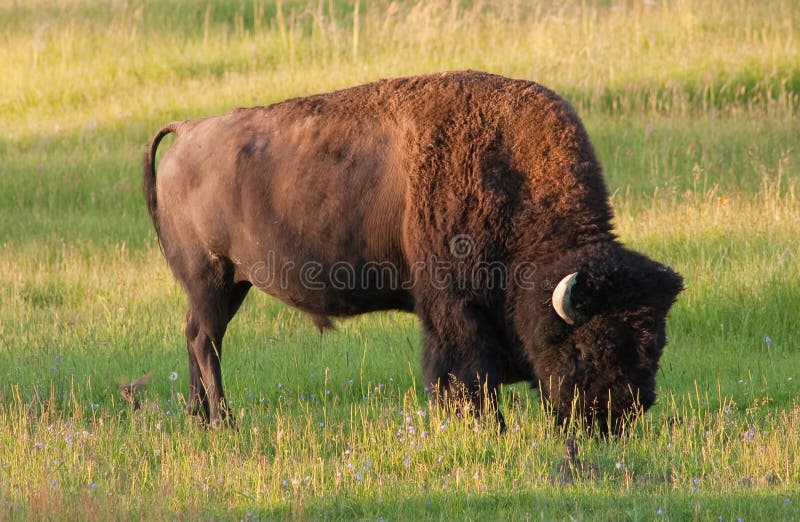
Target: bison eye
<point>583,350</point>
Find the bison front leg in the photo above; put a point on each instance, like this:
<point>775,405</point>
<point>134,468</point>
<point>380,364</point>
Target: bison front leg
<point>460,346</point>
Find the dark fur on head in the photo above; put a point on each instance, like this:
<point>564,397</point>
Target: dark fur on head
<point>604,367</point>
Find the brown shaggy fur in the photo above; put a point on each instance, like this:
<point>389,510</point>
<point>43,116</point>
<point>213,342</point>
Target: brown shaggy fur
<point>434,178</point>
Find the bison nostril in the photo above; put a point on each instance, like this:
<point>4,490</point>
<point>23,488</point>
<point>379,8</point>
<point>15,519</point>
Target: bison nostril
<point>580,364</point>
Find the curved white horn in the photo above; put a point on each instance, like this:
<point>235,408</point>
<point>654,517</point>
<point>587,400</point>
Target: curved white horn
<point>562,302</point>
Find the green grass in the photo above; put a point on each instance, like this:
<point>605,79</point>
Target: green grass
<point>694,110</point>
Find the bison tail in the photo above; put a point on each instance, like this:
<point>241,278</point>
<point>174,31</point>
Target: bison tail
<point>149,173</point>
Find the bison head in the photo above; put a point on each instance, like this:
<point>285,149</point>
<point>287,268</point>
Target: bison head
<point>596,343</point>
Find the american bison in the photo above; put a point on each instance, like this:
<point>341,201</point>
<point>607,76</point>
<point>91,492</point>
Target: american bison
<point>473,200</point>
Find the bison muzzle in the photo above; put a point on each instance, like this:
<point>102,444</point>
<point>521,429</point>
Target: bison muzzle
<point>473,200</point>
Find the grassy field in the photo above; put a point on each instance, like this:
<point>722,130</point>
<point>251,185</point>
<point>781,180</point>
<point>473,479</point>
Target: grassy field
<point>694,108</point>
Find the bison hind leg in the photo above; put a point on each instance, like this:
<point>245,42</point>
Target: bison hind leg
<point>214,299</point>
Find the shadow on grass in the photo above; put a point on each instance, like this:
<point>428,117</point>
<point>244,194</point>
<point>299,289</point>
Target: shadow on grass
<point>559,503</point>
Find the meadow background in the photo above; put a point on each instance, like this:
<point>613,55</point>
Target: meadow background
<point>693,108</point>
